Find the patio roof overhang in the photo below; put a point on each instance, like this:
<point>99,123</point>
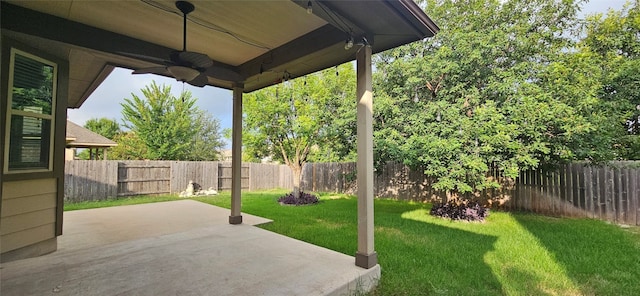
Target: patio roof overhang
<point>252,43</point>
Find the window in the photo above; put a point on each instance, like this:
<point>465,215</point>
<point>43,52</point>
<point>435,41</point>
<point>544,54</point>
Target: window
<point>30,113</point>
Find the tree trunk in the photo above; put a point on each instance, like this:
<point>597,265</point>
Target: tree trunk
<point>297,175</point>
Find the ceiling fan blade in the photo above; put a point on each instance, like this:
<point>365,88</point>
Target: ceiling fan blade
<point>200,80</point>
<point>153,70</point>
<point>193,59</point>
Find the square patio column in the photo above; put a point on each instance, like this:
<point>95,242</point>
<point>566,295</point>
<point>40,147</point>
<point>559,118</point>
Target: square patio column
<point>236,157</point>
<point>366,256</point>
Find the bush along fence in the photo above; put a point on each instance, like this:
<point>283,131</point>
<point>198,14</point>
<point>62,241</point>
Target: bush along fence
<point>100,180</point>
<point>608,192</point>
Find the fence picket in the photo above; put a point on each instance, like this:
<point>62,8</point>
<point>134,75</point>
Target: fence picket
<point>577,189</point>
<point>606,192</point>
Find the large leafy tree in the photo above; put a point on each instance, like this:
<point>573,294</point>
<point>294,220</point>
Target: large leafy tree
<point>161,121</point>
<point>612,41</point>
<point>207,143</point>
<point>169,127</point>
<point>494,88</point>
<point>303,119</point>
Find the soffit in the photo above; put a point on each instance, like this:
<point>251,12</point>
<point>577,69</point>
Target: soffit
<point>231,32</point>
<point>254,44</point>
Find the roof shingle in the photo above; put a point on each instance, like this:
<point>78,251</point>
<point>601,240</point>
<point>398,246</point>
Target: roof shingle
<point>80,137</point>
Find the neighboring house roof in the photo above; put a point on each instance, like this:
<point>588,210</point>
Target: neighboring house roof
<point>80,137</point>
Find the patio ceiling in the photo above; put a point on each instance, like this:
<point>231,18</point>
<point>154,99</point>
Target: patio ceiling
<point>252,43</point>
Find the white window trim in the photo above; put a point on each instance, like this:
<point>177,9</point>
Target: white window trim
<point>10,111</point>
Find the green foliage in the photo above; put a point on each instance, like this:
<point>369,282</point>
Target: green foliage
<point>497,87</point>
<point>309,118</point>
<point>105,127</point>
<point>613,42</point>
<point>162,121</point>
<point>207,143</point>
<point>164,127</point>
<point>130,147</point>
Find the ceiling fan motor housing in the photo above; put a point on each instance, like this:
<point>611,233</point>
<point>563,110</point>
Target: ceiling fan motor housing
<point>185,7</point>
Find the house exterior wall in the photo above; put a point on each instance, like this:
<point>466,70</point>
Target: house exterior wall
<point>31,204</point>
<point>28,213</point>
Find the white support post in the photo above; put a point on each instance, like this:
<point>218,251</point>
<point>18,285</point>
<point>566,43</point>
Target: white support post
<point>236,158</point>
<point>366,256</point>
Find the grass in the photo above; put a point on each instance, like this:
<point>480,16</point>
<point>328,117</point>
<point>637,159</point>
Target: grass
<point>135,200</point>
<point>509,254</point>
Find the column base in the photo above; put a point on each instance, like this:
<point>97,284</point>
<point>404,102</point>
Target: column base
<point>366,260</point>
<point>235,219</point>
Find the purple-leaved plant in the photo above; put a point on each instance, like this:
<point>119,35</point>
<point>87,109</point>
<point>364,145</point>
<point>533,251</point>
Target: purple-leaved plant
<point>303,199</point>
<point>467,211</point>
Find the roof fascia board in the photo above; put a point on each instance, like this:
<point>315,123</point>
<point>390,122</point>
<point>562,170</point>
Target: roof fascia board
<point>321,9</point>
<point>402,7</point>
<point>90,145</point>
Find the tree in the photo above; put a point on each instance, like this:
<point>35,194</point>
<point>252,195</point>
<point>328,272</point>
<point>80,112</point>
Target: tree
<point>302,119</point>
<point>207,142</point>
<point>105,127</point>
<point>613,43</point>
<point>162,122</point>
<point>130,147</point>
<point>491,90</point>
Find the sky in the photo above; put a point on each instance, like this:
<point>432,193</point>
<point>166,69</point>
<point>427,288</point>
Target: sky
<point>107,98</point>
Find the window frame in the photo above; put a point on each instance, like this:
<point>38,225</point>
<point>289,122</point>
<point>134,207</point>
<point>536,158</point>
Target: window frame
<point>10,112</point>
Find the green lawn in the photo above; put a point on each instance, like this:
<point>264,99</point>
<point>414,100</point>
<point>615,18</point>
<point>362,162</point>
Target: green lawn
<point>134,200</point>
<point>511,253</point>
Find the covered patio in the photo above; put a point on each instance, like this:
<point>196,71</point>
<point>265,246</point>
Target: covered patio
<point>241,46</point>
<point>180,248</point>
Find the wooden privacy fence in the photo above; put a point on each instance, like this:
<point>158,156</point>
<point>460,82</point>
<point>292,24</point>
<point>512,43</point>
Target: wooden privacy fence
<point>99,180</point>
<point>610,192</point>
<point>90,180</point>
<point>394,180</point>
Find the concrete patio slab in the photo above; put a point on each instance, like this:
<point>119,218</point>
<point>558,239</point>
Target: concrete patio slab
<point>97,227</point>
<point>180,248</point>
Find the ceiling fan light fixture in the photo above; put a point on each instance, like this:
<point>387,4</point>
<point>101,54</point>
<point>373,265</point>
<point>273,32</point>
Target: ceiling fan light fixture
<point>182,73</point>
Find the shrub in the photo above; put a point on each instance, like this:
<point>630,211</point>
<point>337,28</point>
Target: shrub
<point>303,199</point>
<point>456,210</point>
